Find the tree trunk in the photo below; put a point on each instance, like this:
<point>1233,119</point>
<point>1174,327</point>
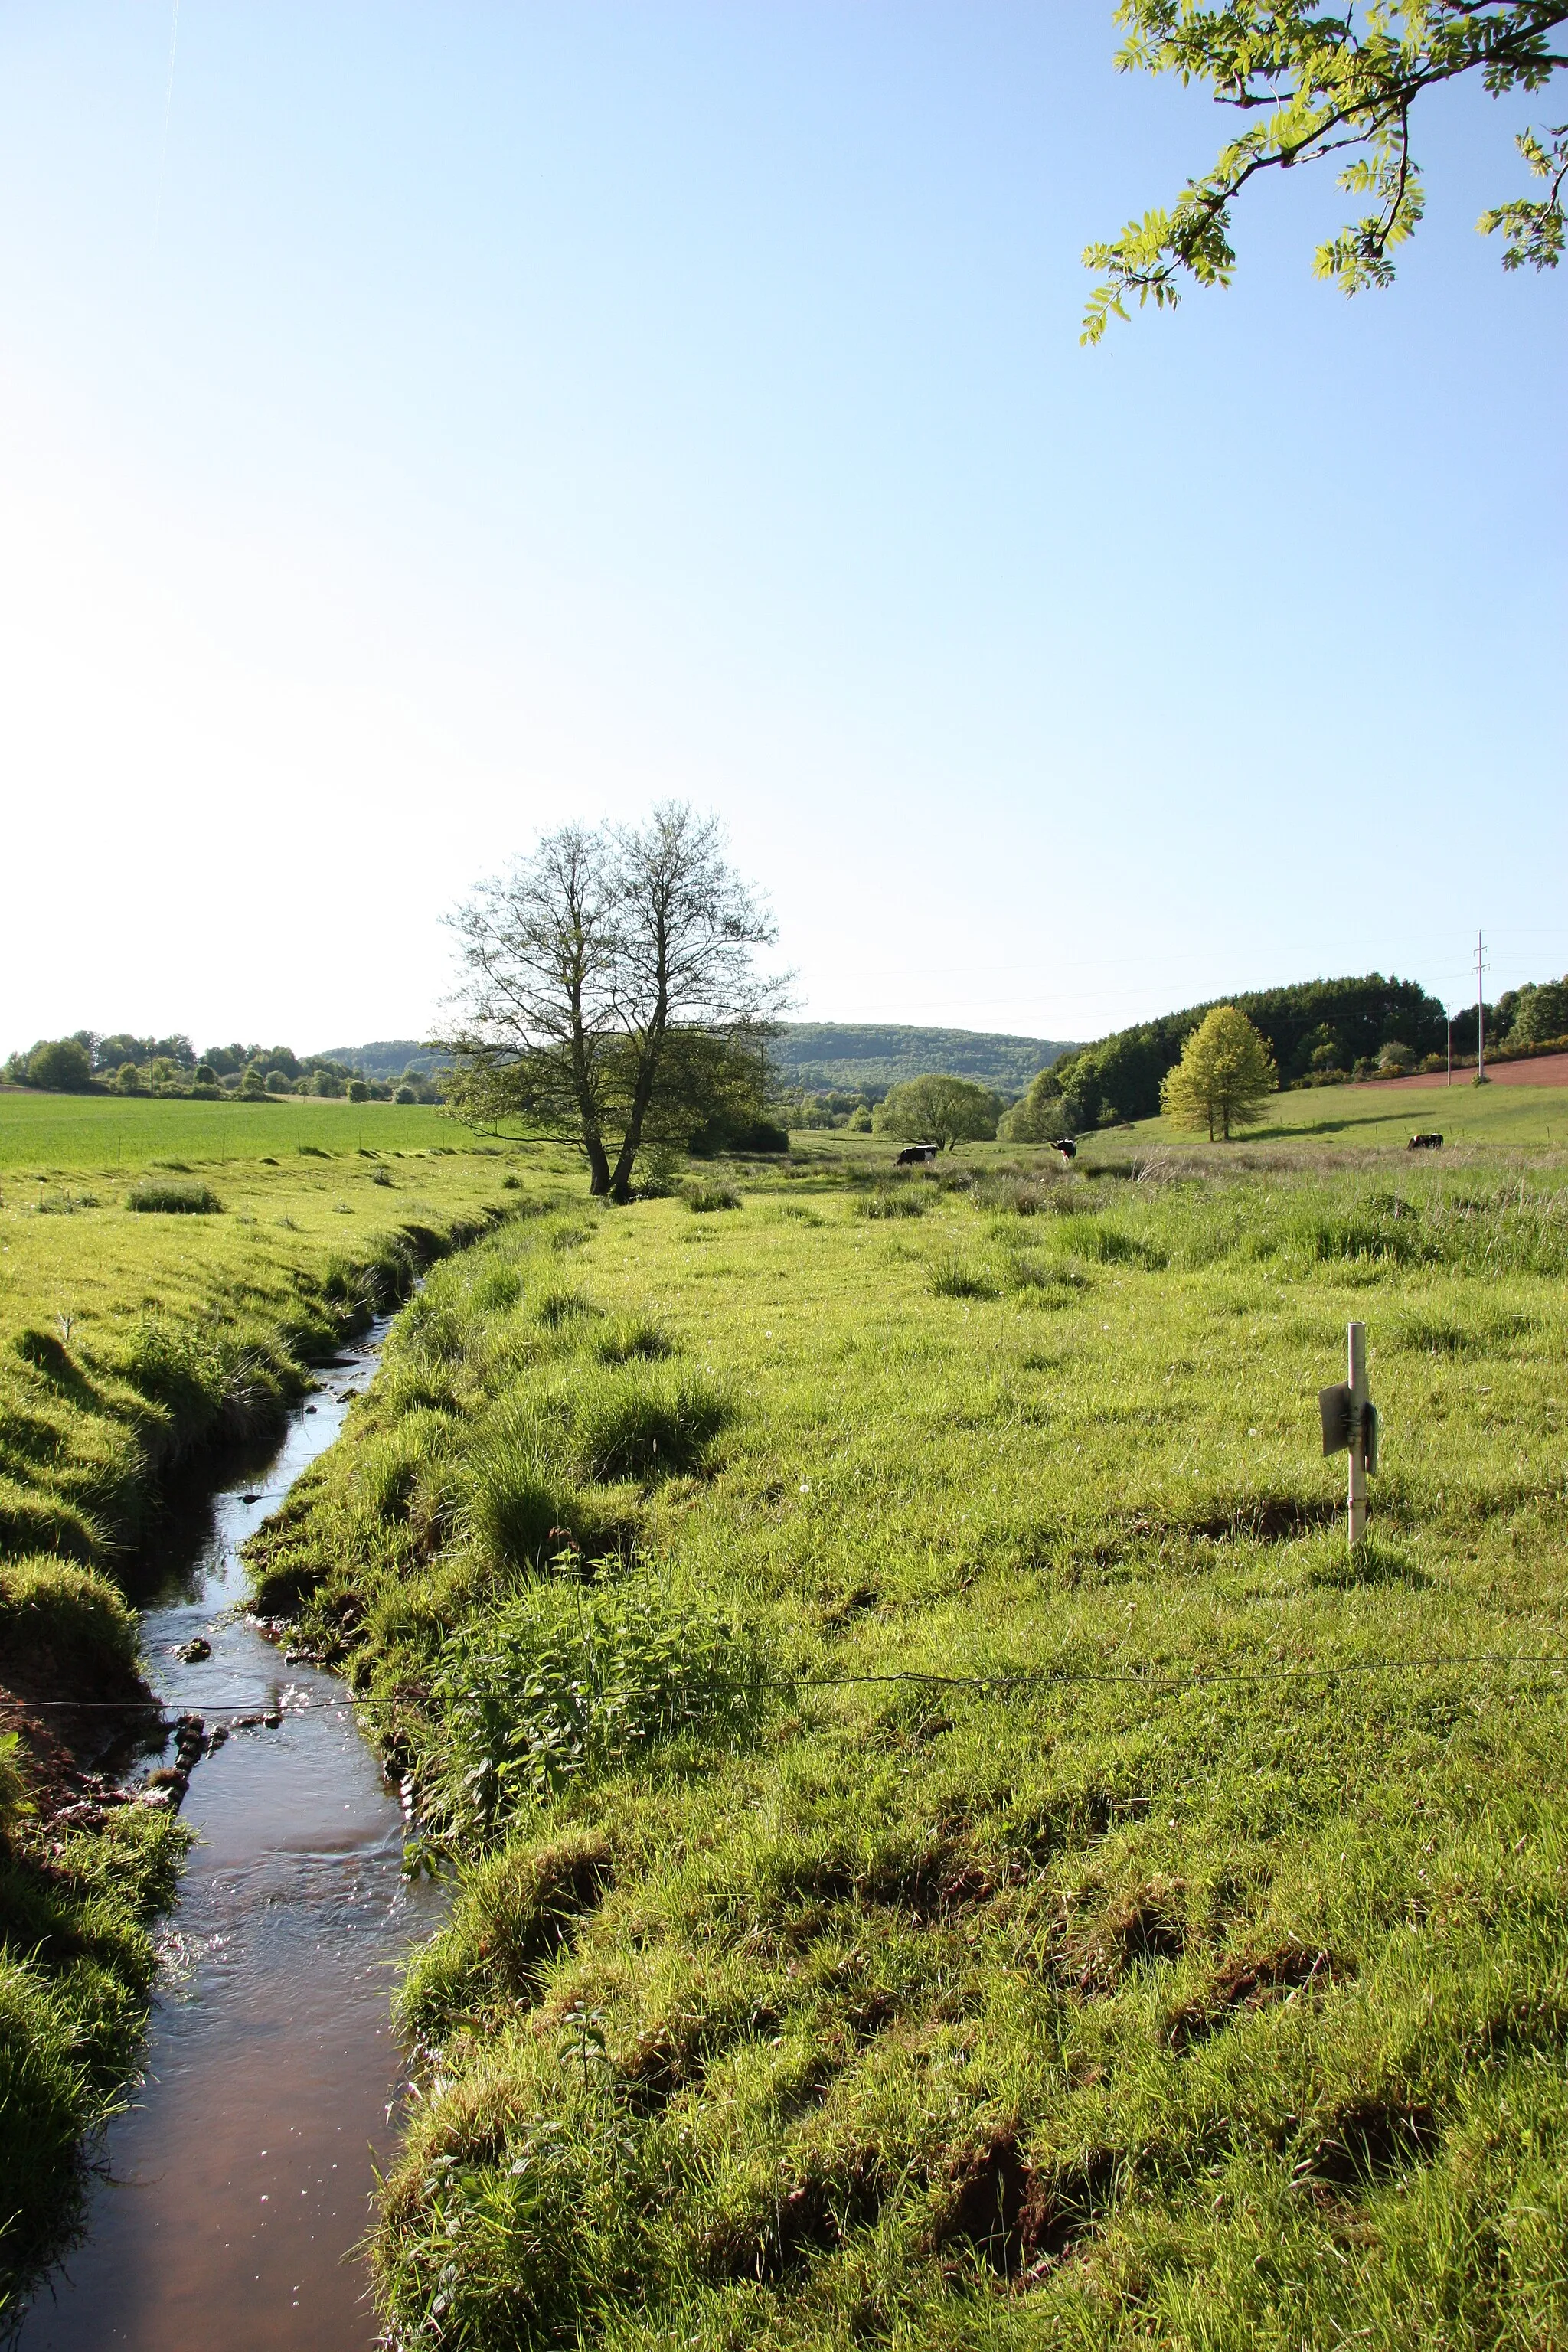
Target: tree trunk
<point>642,1095</point>
<point>598,1167</point>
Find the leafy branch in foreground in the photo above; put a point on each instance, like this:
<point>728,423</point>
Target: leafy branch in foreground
<point>1320,87</point>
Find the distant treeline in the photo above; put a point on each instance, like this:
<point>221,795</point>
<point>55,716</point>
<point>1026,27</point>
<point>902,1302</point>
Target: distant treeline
<point>1319,1033</point>
<point>833,1073</point>
<point>92,1061</point>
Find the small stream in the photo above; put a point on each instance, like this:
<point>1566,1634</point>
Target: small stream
<point>236,2184</point>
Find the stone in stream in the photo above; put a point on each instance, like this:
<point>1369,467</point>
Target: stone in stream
<point>194,1651</point>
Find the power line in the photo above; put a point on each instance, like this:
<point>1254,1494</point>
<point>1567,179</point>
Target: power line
<point>1015,1678</point>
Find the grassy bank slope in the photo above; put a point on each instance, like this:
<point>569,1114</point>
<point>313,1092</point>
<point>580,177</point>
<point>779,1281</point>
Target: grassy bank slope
<point>131,1339</point>
<point>806,1985</point>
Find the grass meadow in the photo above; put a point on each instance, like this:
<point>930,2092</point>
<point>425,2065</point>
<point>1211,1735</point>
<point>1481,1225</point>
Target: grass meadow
<point>51,1136</point>
<point>1381,1117</point>
<point>948,1847</point>
<point>146,1315</point>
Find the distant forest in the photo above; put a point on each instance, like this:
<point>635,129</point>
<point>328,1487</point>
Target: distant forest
<point>387,1058</point>
<point>866,1059</point>
<point>1318,1032</point>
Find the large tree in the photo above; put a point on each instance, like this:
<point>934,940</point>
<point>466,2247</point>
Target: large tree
<point>1223,1077</point>
<point>1317,83</point>
<point>609,984</point>
<point>938,1110</point>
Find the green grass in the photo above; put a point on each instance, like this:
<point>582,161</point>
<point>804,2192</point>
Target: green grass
<point>810,1982</point>
<point>129,1343</point>
<point>115,1134</point>
<point>1519,1117</point>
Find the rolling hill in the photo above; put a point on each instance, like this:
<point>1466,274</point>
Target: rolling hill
<point>824,1057</point>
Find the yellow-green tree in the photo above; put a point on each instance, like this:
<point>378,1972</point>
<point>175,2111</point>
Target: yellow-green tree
<point>1223,1077</point>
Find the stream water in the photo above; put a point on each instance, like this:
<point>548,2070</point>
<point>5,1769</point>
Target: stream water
<point>235,2187</point>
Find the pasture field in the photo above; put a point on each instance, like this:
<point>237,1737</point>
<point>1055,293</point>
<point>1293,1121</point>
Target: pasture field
<point>951,1850</point>
<point>54,1135</point>
<point>1380,1117</point>
<point>129,1340</point>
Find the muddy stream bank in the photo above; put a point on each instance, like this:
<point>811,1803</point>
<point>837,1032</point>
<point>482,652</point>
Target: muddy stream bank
<point>233,2190</point>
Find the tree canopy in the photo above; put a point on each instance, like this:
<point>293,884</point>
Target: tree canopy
<point>1224,1075</point>
<point>609,985</point>
<point>59,1065</point>
<point>1317,83</point>
<point>1311,1024</point>
<point>936,1109</point>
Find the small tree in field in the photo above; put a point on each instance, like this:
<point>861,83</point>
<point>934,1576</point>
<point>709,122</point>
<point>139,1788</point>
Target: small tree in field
<point>937,1109</point>
<point>1223,1077</point>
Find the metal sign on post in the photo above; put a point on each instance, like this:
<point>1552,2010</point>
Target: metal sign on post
<point>1350,1424</point>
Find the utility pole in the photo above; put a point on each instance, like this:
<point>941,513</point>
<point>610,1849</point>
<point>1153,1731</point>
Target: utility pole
<point>1481,1013</point>
<point>1448,1017</point>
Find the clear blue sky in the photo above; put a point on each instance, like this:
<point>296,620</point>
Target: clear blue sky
<point>418,425</point>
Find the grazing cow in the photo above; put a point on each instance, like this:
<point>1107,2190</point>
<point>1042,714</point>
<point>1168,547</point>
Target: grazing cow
<point>915,1155</point>
<point>1066,1146</point>
<point>1425,1143</point>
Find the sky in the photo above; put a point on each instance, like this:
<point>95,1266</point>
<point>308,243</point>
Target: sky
<point>420,427</point>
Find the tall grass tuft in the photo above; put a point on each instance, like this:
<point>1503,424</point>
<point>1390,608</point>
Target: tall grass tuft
<point>158,1196</point>
<point>519,1506</point>
<point>893,1201</point>
<point>953,1276</point>
<point>644,1421</point>
<point>626,1339</point>
<point>703,1196</point>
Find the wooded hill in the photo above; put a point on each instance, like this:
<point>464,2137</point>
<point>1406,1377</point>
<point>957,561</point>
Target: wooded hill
<point>389,1058</point>
<point>1321,1023</point>
<point>837,1056</point>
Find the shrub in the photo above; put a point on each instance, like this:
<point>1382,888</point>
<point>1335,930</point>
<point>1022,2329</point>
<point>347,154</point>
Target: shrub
<point>566,1682</point>
<point>659,1171</point>
<point>12,1787</point>
<point>357,1091</point>
<point>160,1196</point>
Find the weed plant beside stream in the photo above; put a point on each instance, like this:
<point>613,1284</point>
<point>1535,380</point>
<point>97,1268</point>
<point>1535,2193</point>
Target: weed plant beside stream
<point>1205,1985</point>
